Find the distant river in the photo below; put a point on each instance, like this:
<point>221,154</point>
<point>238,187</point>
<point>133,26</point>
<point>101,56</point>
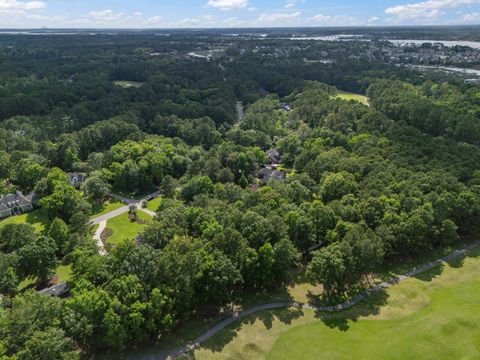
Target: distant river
<point>472,44</point>
<point>469,72</point>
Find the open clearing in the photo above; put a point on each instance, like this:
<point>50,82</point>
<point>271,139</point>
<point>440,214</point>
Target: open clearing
<point>128,84</point>
<point>124,229</point>
<point>435,315</point>
<point>352,96</point>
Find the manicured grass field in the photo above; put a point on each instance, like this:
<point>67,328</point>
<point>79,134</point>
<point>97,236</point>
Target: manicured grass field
<point>37,218</point>
<point>106,207</point>
<point>124,229</point>
<point>128,84</point>
<point>154,204</point>
<point>433,316</point>
<point>352,96</point>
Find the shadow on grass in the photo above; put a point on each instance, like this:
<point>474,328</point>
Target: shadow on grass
<point>369,306</point>
<point>458,262</point>
<point>37,217</point>
<point>431,274</point>
<point>267,318</point>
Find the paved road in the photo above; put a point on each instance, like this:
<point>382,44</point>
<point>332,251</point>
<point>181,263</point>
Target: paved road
<point>124,209</point>
<point>346,305</point>
<point>129,201</point>
<point>109,215</point>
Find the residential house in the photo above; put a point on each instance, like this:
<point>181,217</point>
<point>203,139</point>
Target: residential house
<point>76,179</point>
<point>273,156</point>
<point>268,174</point>
<point>15,204</point>
<point>59,290</point>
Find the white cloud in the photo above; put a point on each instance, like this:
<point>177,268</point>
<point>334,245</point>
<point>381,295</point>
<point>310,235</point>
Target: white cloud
<point>14,12</point>
<point>14,5</point>
<point>293,3</point>
<point>228,4</point>
<point>426,9</point>
<point>335,20</point>
<point>466,19</point>
<point>154,20</point>
<point>278,18</point>
<point>471,17</point>
<point>105,16</point>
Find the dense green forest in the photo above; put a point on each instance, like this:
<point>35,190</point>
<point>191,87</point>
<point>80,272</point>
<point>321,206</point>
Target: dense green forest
<point>365,185</point>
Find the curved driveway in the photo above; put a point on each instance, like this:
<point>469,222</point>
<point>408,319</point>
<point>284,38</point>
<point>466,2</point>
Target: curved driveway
<point>102,219</point>
<point>346,305</point>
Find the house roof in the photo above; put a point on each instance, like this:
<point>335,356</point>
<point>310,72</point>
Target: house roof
<point>18,199</point>
<point>273,155</point>
<point>33,198</point>
<point>78,176</point>
<point>57,290</point>
<point>267,174</point>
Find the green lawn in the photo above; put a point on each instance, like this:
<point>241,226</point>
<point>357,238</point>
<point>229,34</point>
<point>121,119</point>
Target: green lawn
<point>106,207</point>
<point>63,273</point>
<point>124,229</point>
<point>128,84</point>
<point>154,205</point>
<point>37,218</point>
<point>352,96</point>
<point>433,316</point>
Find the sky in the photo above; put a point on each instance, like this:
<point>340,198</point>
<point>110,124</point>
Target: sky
<point>234,13</point>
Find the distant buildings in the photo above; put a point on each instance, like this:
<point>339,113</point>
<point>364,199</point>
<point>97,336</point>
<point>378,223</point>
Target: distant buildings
<point>16,204</point>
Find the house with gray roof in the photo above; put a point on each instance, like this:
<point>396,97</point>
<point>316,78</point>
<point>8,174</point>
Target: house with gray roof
<point>274,156</point>
<point>16,204</point>
<point>59,290</point>
<point>76,179</point>
<point>268,174</point>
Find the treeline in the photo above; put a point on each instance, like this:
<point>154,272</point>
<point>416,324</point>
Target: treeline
<point>439,110</point>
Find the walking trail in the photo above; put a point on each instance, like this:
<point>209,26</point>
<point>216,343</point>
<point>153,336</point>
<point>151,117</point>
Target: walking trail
<point>168,354</point>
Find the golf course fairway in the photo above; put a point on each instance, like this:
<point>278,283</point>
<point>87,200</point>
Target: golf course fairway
<point>435,315</point>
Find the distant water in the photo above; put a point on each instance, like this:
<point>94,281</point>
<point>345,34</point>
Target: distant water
<point>340,37</point>
<point>469,72</point>
<point>448,43</point>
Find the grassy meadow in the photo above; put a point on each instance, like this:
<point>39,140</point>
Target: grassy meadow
<point>352,96</point>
